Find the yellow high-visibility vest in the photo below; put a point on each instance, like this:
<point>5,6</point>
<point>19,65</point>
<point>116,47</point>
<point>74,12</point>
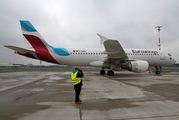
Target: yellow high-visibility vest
<point>75,80</point>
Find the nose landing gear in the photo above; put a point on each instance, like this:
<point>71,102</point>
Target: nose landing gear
<point>158,69</point>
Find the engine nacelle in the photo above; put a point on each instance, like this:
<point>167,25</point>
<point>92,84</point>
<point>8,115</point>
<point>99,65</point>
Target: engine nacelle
<point>137,66</point>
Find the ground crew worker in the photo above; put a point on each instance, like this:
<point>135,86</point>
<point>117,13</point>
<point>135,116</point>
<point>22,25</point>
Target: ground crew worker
<point>76,77</point>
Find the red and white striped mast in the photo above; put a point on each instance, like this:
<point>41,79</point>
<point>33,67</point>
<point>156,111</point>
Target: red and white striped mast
<point>159,36</point>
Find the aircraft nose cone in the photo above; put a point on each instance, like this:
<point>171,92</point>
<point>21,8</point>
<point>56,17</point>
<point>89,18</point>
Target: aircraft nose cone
<point>174,60</point>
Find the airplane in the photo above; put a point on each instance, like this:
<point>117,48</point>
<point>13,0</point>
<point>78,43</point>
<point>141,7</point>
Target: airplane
<point>112,56</point>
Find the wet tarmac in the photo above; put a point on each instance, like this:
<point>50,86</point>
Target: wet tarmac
<point>125,96</point>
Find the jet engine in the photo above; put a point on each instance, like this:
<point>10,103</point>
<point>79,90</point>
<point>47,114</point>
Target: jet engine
<point>136,66</point>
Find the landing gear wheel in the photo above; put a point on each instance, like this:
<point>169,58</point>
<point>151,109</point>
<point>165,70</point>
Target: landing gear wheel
<point>157,72</point>
<point>158,69</point>
<point>110,73</point>
<point>102,72</point>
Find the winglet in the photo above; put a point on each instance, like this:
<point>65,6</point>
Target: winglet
<point>103,39</point>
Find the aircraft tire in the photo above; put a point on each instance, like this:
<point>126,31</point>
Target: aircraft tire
<point>110,73</point>
<point>157,72</point>
<point>158,69</point>
<point>102,72</point>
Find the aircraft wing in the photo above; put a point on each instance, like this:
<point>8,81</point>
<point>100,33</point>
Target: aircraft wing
<point>113,49</point>
<point>21,50</point>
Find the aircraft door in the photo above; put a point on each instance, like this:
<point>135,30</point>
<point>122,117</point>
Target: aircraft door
<point>162,56</point>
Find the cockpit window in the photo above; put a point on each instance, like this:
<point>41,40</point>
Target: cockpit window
<point>169,54</point>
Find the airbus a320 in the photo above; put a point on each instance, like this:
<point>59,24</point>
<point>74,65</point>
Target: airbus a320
<point>112,56</point>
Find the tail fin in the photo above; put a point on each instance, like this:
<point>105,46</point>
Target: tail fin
<point>32,36</point>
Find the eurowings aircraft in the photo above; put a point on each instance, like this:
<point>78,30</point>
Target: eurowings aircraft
<point>112,57</point>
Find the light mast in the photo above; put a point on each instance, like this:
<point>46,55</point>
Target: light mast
<point>159,28</point>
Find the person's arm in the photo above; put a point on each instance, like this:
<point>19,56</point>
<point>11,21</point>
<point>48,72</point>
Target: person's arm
<point>80,73</point>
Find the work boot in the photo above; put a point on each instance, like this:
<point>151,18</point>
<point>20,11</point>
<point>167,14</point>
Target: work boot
<point>78,102</point>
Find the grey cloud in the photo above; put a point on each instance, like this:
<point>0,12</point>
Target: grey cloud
<point>68,23</point>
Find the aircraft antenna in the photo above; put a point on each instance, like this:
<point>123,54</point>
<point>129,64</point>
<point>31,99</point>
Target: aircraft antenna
<point>159,28</point>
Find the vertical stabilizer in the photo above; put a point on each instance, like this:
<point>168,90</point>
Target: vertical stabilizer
<point>32,37</point>
<point>35,40</point>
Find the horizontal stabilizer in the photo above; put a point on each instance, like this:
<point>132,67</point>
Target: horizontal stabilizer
<point>21,50</point>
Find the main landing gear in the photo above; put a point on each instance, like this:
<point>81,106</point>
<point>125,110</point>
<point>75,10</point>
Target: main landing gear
<point>109,73</point>
<point>102,72</point>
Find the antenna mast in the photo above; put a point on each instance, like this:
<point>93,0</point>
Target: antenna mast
<point>159,36</point>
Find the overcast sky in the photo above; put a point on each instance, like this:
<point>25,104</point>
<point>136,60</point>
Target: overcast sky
<point>75,23</point>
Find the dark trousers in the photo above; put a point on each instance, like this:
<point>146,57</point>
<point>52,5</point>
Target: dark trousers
<point>77,92</point>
